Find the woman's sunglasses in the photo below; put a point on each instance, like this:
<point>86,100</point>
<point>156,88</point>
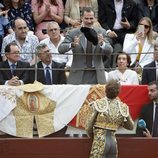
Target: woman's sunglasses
<point>145,26</point>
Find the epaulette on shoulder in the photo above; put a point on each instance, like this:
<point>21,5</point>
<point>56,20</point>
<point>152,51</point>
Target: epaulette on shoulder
<point>101,105</point>
<point>124,109</point>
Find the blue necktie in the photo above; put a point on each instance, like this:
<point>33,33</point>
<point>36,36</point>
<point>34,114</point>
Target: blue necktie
<point>155,123</point>
<point>13,67</point>
<point>48,77</point>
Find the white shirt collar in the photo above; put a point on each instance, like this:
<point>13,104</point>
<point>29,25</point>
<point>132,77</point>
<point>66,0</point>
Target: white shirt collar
<point>44,65</point>
<point>119,1</point>
<point>10,63</point>
<point>156,63</point>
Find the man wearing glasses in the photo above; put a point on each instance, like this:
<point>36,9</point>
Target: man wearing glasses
<point>13,72</point>
<point>48,72</point>
<point>53,42</point>
<point>26,41</point>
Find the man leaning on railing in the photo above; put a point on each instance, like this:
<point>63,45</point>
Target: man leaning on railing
<point>88,45</point>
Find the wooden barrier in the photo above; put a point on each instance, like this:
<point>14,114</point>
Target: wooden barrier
<point>73,147</point>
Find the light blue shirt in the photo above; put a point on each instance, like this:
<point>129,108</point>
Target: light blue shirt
<point>3,22</point>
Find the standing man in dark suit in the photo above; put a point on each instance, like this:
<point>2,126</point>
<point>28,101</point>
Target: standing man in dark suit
<point>150,71</point>
<point>88,45</point>
<point>48,71</point>
<point>118,17</point>
<point>13,72</point>
<point>149,112</point>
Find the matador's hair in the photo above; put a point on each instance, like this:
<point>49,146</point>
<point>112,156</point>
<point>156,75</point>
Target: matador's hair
<point>112,89</point>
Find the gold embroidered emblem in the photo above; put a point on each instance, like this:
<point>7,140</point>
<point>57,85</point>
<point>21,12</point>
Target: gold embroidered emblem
<point>95,92</point>
<point>33,102</point>
<point>33,105</point>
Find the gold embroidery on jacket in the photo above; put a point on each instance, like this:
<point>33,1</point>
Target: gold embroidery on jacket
<point>111,113</point>
<point>34,105</point>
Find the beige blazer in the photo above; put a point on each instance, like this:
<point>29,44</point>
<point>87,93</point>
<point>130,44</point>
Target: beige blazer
<point>72,10</point>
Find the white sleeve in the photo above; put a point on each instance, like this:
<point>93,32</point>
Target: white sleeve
<point>130,43</point>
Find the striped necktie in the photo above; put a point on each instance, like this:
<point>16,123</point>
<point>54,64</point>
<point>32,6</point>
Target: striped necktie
<point>13,67</point>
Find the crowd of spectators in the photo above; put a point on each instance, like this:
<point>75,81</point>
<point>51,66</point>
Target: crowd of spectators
<point>80,42</point>
<point>129,27</point>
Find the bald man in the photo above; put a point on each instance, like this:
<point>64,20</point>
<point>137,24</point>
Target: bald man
<point>26,41</point>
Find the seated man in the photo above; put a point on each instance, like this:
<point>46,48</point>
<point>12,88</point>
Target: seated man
<point>27,42</point>
<point>48,71</point>
<point>13,72</point>
<point>149,113</point>
<point>150,71</point>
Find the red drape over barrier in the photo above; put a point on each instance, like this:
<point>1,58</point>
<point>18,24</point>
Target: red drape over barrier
<point>134,96</point>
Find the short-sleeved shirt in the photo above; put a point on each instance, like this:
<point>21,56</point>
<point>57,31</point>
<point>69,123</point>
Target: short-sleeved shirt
<point>27,49</point>
<point>61,58</point>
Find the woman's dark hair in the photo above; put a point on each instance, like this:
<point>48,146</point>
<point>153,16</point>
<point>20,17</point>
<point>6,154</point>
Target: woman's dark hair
<point>9,5</point>
<point>153,83</point>
<point>53,2</point>
<point>112,89</point>
<point>146,3</point>
<point>128,57</point>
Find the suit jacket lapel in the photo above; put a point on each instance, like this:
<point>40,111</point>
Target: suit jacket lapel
<point>54,74</point>
<point>126,6</point>
<point>93,48</point>
<point>17,70</point>
<point>41,74</point>
<point>153,71</point>
<point>146,46</point>
<point>152,109</point>
<point>149,116</point>
<point>83,43</point>
<point>8,72</point>
<point>110,3</point>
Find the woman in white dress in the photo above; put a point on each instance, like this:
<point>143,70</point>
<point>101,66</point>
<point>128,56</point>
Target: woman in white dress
<point>123,74</point>
<point>141,42</point>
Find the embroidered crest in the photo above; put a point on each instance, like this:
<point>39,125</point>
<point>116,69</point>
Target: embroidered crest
<point>33,103</point>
